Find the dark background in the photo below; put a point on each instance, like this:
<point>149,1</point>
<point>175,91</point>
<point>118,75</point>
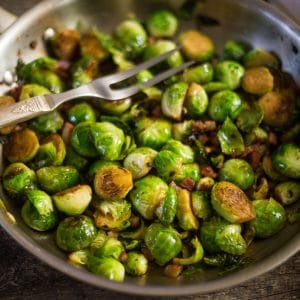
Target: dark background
<point>22,276</point>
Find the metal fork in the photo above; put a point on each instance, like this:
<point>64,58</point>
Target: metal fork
<point>98,88</point>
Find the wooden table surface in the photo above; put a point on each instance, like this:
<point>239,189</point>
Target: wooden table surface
<point>22,276</point>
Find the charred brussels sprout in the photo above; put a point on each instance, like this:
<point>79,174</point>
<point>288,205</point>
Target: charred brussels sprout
<point>163,242</point>
<point>75,233</point>
<point>173,99</point>
<point>200,74</point>
<point>17,178</point>
<point>136,264</point>
<point>231,203</point>
<point>185,152</point>
<point>81,112</point>
<point>22,146</point>
<point>97,165</point>
<point>153,133</point>
<point>225,104</point>
<point>73,201</point>
<point>38,211</point>
<point>112,182</point>
<point>287,192</point>
<point>196,45</point>
<point>286,160</point>
<point>239,172</point>
<point>196,100</point>
<point>140,161</point>
<point>55,179</point>
<point>48,123</point>
<point>270,218</point>
<point>147,194</point>
<point>162,23</point>
<point>132,38</point>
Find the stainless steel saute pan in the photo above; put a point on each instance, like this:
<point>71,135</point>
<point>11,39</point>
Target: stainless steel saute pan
<point>254,21</point>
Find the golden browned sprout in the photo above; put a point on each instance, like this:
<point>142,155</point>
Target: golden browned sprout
<point>65,44</point>
<point>6,101</point>
<point>21,146</point>
<point>196,45</point>
<point>278,107</point>
<point>258,81</point>
<point>112,182</point>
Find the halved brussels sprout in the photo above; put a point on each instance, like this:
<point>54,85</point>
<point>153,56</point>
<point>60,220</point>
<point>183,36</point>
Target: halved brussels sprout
<point>112,182</point>
<point>239,172</point>
<point>162,23</point>
<point>163,242</point>
<point>196,45</point>
<point>140,161</point>
<point>201,205</point>
<point>231,203</point>
<point>196,100</point>
<point>148,194</point>
<point>191,171</point>
<point>21,146</point>
<point>112,214</point>
<point>110,248</point>
<point>55,179</point>
<point>97,165</point>
<point>257,134</point>
<point>73,201</point>
<point>81,112</point>
<point>260,57</point>
<point>38,211</point>
<point>59,145</point>
<point>32,90</point>
<point>286,160</point>
<point>200,74</point>
<point>186,153</point>
<point>75,233</point>
<point>115,108</point>
<point>225,104</point>
<point>47,123</point>
<point>270,218</point>
<point>287,192</point>
<point>6,101</point>
<point>17,178</point>
<point>136,264</point>
<point>234,50</point>
<point>173,99</point>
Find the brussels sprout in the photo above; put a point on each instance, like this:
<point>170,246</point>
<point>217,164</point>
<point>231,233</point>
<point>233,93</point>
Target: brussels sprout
<point>181,131</point>
<point>115,108</point>
<point>270,218</point>
<point>6,101</point>
<point>185,215</point>
<point>140,161</point>
<point>64,44</point>
<point>269,169</point>
<point>112,182</point>
<point>215,86</point>
<point>205,184</point>
<point>168,164</point>
<point>230,240</point>
<point>173,99</point>
<point>108,140</point>
<point>202,74</point>
<point>98,241</point>
<point>230,72</point>
<point>81,112</point>
<point>287,192</point>
<point>75,233</point>
<point>260,57</point>
<point>21,146</point>
<point>185,152</point>
<point>163,242</point>
<point>73,201</point>
<point>148,194</point>
<point>225,104</point>
<point>38,211</point>
<point>250,117</point>
<point>230,138</point>
<point>110,248</point>
<point>201,205</point>
<point>160,47</point>
<point>194,258</point>
<point>258,81</point>
<point>234,50</point>
<point>286,160</point>
<point>166,210</point>
<point>97,165</point>
<point>82,139</point>
<point>191,171</point>
<point>55,179</point>
<point>162,23</point>
<point>32,90</point>
<point>132,38</point>
<point>257,134</point>
<point>196,100</point>
<point>262,190</point>
<point>239,172</point>
<point>196,45</point>
<point>84,71</point>
<point>79,257</point>
<point>75,160</point>
<point>231,203</point>
<point>136,264</point>
<point>17,178</point>
<point>112,214</point>
<point>107,267</point>
<point>59,145</point>
<point>91,46</point>
<point>47,123</point>
<point>153,133</point>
